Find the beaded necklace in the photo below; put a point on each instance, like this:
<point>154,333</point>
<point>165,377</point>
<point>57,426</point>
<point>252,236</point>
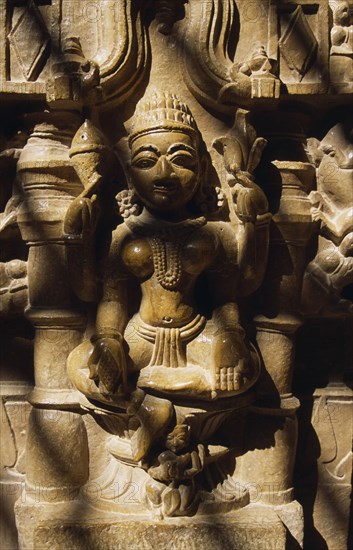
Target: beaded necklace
<point>166,241</point>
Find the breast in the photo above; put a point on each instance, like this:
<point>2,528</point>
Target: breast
<point>199,252</point>
<point>137,257</point>
<point>196,254</point>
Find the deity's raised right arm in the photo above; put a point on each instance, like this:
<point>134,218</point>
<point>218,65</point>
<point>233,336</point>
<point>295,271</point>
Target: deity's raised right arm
<point>90,157</point>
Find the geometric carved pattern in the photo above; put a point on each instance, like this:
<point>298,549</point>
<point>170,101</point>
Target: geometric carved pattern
<point>30,40</point>
<point>298,44</point>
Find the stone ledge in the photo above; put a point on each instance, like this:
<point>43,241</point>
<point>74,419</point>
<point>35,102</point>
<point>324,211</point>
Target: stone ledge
<point>251,528</point>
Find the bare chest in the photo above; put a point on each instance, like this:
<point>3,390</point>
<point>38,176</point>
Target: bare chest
<point>169,258</point>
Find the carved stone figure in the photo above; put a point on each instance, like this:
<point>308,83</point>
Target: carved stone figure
<point>332,208</point>
<point>341,60</point>
<point>13,271</point>
<point>172,245</point>
<point>84,74</point>
<point>175,271</point>
<point>257,74</point>
<point>13,286</point>
<point>342,30</point>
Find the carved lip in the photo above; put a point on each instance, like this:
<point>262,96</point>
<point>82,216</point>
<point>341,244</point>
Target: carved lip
<point>165,186</point>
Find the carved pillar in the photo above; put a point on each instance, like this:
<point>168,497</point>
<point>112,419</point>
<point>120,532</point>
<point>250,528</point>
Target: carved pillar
<point>56,443</point>
<point>290,234</point>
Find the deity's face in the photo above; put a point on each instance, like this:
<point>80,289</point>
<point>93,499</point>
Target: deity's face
<point>165,169</point>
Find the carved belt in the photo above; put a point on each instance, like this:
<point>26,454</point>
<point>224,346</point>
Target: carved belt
<point>168,348</point>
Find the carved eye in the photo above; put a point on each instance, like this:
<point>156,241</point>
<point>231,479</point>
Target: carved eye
<point>144,163</point>
<point>184,160</point>
<point>329,150</point>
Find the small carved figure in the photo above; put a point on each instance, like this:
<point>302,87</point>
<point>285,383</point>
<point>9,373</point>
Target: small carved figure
<point>342,30</point>
<point>257,74</point>
<point>332,207</point>
<point>13,287</point>
<point>73,76</point>
<point>10,195</point>
<point>257,64</point>
<point>13,273</point>
<point>341,58</point>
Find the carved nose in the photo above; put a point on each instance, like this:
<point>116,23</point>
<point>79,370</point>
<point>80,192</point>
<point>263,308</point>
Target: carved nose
<point>164,167</point>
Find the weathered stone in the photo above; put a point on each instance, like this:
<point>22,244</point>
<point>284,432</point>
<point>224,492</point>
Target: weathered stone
<point>258,529</point>
<point>175,272</point>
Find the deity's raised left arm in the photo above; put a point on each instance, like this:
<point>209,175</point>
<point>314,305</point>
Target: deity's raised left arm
<point>89,153</point>
<point>248,206</point>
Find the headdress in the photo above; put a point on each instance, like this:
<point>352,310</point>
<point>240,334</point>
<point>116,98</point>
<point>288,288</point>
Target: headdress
<point>162,111</point>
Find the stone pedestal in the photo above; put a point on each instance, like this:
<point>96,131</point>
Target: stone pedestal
<point>256,528</point>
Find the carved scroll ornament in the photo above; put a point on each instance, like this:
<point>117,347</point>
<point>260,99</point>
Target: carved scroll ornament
<point>212,35</point>
<point>123,64</point>
<point>118,64</point>
<point>63,61</point>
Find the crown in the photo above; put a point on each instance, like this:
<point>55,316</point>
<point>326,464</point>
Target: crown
<point>162,111</point>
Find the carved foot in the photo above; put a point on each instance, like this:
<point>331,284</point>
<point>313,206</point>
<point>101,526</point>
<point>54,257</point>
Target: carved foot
<point>233,368</point>
<point>231,378</point>
<point>154,415</point>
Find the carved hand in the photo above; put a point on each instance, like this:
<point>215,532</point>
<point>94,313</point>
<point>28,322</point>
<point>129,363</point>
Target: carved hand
<point>317,215</point>
<point>250,199</point>
<point>107,364</point>
<point>81,216</point>
<point>176,467</point>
